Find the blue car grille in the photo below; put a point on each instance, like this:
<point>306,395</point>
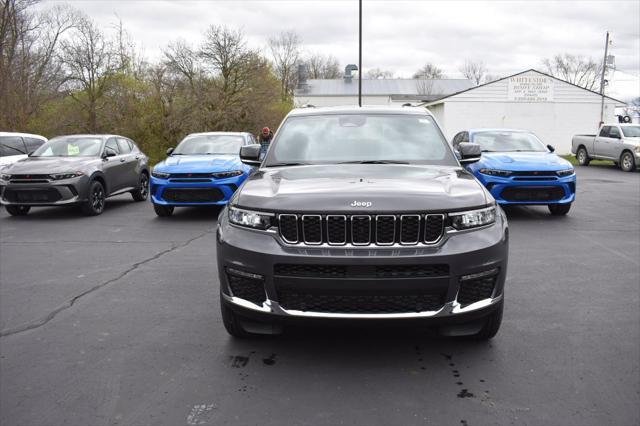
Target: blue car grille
<point>193,195</point>
<point>532,193</point>
<point>189,175</point>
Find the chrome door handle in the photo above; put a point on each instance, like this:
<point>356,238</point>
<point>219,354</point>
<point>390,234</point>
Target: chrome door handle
<point>122,160</point>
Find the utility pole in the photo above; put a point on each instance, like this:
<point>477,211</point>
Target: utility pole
<point>360,53</point>
<point>602,80</point>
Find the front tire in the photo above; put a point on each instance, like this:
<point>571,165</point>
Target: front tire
<point>18,210</point>
<point>95,200</point>
<point>583,157</point>
<point>142,191</point>
<point>492,324</point>
<point>627,162</point>
<point>559,209</point>
<point>231,321</point>
<point>163,211</point>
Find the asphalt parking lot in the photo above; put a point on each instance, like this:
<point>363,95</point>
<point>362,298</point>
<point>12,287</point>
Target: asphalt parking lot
<point>113,320</point>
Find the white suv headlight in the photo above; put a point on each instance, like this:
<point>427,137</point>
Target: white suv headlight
<point>473,218</point>
<point>251,219</point>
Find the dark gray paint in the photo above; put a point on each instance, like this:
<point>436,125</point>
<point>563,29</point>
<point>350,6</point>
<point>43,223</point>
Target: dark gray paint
<point>149,345</point>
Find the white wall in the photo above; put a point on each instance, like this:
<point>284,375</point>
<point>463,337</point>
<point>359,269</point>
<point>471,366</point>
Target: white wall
<point>572,111</point>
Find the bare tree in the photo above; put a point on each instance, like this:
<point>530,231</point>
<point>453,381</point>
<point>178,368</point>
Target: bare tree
<point>183,59</point>
<point>488,78</point>
<point>583,72</point>
<point>474,71</point>
<point>429,71</point>
<point>379,74</point>
<point>91,63</point>
<point>285,51</point>
<point>224,51</point>
<point>323,67</point>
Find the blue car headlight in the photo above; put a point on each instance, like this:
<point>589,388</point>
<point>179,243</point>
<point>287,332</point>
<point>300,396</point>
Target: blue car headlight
<point>223,175</point>
<point>503,173</point>
<point>249,218</point>
<point>161,175</point>
<point>473,218</point>
<point>564,173</point>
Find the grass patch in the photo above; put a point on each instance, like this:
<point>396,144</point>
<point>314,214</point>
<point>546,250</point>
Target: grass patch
<point>570,158</point>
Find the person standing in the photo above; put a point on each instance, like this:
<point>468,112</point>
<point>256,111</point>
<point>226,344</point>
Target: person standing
<point>265,140</point>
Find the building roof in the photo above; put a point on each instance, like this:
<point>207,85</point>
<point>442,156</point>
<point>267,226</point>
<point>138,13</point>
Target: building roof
<point>438,100</point>
<point>383,87</point>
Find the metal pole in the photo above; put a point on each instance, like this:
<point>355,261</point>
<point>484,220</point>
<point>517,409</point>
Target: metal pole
<point>360,54</point>
<point>602,81</point>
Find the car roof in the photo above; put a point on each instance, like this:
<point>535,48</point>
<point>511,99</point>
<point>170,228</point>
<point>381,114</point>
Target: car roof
<point>497,129</point>
<point>621,124</point>
<point>354,109</point>
<point>27,135</point>
<point>90,135</point>
<point>219,133</point>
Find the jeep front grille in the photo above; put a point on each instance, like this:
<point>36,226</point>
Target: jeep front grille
<point>361,230</point>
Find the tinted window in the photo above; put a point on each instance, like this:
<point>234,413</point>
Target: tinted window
<point>66,146</point>
<point>124,146</point>
<point>112,145</point>
<point>33,143</point>
<point>210,144</point>
<point>11,145</point>
<point>604,132</point>
<point>339,138</point>
<point>614,132</point>
<point>508,141</point>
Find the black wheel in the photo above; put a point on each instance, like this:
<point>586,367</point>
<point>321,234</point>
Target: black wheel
<point>142,191</point>
<point>583,157</point>
<point>163,211</point>
<point>95,200</point>
<point>559,209</point>
<point>492,324</point>
<point>231,321</point>
<point>627,162</point>
<point>18,210</point>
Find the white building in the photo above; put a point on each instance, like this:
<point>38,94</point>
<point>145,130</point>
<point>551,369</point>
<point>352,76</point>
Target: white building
<point>553,109</point>
<point>344,91</point>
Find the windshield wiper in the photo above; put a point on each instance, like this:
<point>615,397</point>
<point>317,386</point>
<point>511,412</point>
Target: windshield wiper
<point>375,162</point>
<point>287,164</point>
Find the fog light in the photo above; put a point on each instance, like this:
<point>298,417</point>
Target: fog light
<point>244,274</point>
<point>482,274</point>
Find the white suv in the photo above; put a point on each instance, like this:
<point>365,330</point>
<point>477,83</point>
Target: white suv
<point>16,146</point>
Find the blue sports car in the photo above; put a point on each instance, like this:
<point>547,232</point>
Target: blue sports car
<point>517,168</point>
<point>203,170</point>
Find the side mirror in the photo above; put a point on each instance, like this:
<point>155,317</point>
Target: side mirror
<point>250,155</point>
<point>108,153</point>
<point>469,152</point>
<point>616,136</point>
<point>170,150</point>
<point>550,148</point>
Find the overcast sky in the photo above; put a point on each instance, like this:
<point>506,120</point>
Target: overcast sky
<point>401,36</point>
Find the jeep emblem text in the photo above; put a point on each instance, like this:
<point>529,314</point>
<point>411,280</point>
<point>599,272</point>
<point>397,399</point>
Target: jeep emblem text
<point>361,204</point>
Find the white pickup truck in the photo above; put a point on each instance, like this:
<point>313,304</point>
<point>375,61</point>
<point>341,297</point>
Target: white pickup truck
<point>619,143</point>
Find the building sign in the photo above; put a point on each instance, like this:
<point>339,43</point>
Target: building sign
<point>530,88</point>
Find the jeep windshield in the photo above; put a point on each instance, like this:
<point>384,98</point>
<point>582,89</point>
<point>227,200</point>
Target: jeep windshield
<point>360,139</point>
<point>209,144</point>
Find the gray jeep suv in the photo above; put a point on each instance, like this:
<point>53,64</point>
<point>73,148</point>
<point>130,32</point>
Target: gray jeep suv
<point>80,169</point>
<point>362,214</point>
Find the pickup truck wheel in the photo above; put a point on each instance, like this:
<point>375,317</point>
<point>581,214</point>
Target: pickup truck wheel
<point>627,163</point>
<point>583,157</point>
<point>163,211</point>
<point>231,322</point>
<point>18,210</point>
<point>559,209</point>
<point>492,324</point>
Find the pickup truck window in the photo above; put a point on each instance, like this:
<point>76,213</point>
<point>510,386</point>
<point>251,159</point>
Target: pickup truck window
<point>631,131</point>
<point>345,138</point>
<point>604,132</point>
<point>614,132</point>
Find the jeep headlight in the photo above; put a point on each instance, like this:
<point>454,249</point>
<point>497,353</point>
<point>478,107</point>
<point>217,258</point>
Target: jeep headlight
<point>249,218</point>
<point>473,218</point>
<point>224,175</point>
<point>563,173</point>
<point>491,172</point>
<point>161,175</point>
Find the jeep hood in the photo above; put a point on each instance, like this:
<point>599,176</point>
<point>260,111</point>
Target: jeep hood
<point>333,188</point>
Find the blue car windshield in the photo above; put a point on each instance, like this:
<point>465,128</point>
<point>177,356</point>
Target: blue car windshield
<point>508,141</point>
<point>210,144</point>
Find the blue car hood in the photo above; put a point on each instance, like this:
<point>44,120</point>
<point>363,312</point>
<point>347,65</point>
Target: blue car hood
<point>200,164</point>
<point>522,161</point>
